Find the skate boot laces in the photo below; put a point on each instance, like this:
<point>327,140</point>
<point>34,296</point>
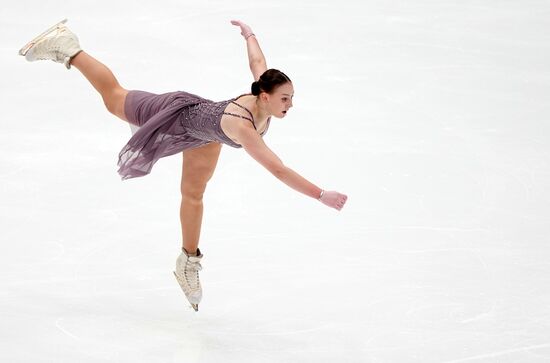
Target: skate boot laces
<point>191,273</point>
<point>53,46</point>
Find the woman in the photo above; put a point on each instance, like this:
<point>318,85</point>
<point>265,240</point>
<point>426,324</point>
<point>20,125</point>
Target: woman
<point>182,122</point>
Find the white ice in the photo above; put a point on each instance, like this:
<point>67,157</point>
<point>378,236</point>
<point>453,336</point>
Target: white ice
<point>433,116</point>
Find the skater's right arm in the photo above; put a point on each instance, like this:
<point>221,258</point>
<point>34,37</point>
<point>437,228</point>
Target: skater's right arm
<point>256,59</point>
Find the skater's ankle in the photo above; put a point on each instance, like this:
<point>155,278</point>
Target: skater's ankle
<point>76,58</point>
<point>190,253</point>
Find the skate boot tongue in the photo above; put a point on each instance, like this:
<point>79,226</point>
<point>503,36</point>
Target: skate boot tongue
<point>195,260</point>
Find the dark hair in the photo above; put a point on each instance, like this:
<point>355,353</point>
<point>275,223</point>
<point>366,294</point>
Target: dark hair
<point>269,80</point>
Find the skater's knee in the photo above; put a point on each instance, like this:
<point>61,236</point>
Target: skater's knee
<point>194,182</point>
<point>193,192</point>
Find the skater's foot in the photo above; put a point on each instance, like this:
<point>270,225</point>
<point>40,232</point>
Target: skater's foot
<point>57,43</point>
<point>187,274</point>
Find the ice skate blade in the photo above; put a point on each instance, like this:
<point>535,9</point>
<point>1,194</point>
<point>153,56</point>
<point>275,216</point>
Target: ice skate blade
<point>194,306</point>
<point>23,51</point>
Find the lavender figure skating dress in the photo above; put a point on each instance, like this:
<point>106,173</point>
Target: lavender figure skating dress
<point>168,124</point>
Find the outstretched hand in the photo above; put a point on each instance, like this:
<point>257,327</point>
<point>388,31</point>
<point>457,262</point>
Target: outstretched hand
<point>246,31</point>
<point>334,199</point>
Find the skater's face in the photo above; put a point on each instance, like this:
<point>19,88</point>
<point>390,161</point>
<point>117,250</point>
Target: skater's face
<point>280,100</point>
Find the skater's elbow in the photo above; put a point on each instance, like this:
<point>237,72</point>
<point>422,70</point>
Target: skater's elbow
<point>257,62</point>
<point>279,171</point>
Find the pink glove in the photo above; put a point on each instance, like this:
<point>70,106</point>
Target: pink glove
<point>333,199</point>
<point>246,32</point>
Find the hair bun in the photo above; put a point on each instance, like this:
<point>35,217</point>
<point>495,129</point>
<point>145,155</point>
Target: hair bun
<point>269,81</point>
<point>255,88</point>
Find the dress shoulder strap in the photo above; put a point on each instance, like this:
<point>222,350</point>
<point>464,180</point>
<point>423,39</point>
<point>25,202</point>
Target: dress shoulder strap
<point>251,118</point>
<point>244,108</point>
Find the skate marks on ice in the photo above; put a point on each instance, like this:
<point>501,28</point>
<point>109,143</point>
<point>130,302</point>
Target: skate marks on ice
<point>58,325</point>
<point>501,353</point>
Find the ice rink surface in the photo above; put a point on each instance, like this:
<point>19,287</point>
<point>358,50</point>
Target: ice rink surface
<point>433,116</point>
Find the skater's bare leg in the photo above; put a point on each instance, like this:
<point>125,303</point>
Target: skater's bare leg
<point>104,82</point>
<point>198,168</point>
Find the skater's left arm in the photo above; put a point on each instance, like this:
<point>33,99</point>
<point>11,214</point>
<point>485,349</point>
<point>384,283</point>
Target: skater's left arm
<point>256,59</point>
<point>259,151</point>
<point>254,145</point>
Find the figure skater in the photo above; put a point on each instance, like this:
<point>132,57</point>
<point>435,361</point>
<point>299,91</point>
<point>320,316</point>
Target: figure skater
<point>177,122</point>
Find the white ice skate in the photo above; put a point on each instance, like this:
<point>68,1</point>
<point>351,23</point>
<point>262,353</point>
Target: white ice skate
<point>187,274</point>
<point>57,43</point>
